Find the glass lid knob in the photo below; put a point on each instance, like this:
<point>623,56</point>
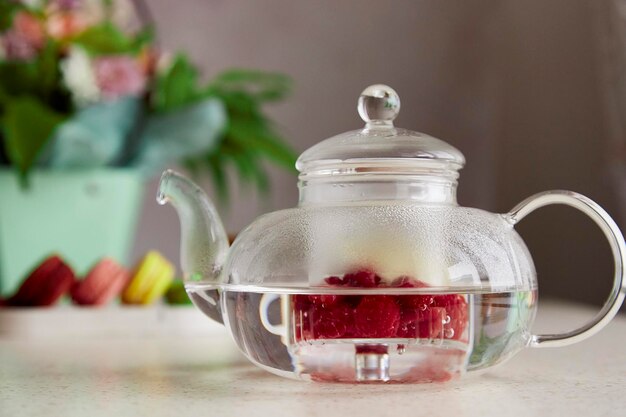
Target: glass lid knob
<point>379,105</point>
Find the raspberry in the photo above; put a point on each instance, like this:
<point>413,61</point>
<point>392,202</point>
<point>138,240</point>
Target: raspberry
<point>329,327</point>
<point>324,300</point>
<point>353,300</point>
<point>334,281</point>
<point>365,278</point>
<point>431,323</point>
<point>456,308</point>
<point>332,316</point>
<point>301,302</point>
<point>377,316</point>
<point>424,315</point>
<point>408,326</point>
<point>426,324</point>
<point>416,302</point>
<point>332,324</point>
<point>318,322</point>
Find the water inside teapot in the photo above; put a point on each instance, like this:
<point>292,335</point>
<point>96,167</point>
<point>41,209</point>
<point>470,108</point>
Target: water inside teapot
<point>372,335</point>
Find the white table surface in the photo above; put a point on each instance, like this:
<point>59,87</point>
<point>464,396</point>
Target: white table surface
<point>167,374</point>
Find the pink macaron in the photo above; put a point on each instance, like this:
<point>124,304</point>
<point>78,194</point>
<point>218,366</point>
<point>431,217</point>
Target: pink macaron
<point>104,282</point>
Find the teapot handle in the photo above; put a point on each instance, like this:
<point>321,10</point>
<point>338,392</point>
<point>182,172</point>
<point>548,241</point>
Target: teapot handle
<point>618,248</point>
<point>264,305</point>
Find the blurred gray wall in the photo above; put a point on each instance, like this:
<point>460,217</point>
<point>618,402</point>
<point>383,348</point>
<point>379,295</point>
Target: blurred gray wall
<point>514,85</point>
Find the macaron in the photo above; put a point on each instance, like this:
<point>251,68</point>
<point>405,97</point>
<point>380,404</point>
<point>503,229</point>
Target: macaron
<point>151,278</point>
<point>103,282</point>
<point>45,284</point>
<point>176,294</point>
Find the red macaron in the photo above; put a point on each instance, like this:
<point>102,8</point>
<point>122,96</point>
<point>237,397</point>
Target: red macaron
<point>45,285</point>
<point>103,283</point>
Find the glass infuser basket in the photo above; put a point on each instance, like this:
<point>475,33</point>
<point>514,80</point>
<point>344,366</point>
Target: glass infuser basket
<point>378,275</point>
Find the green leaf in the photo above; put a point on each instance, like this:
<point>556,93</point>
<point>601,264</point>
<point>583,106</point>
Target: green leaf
<point>258,174</point>
<point>240,104</point>
<point>192,130</point>
<point>250,138</point>
<point>39,77</point>
<point>19,77</point>
<point>28,125</point>
<point>144,37</point>
<point>219,177</point>
<point>249,129</point>
<point>4,96</point>
<point>254,136</point>
<point>177,87</point>
<point>106,39</point>
<point>95,135</point>
<point>248,167</point>
<point>6,14</point>
<point>259,85</point>
<point>48,68</point>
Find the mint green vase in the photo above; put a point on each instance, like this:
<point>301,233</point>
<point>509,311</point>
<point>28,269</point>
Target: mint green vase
<point>82,215</point>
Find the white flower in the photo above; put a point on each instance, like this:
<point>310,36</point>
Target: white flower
<point>79,77</point>
<point>33,4</point>
<point>164,63</point>
<point>124,15</point>
<point>95,9</point>
<point>121,12</point>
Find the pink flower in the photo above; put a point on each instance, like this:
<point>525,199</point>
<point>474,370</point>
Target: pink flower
<point>29,27</point>
<point>118,76</point>
<point>66,4</point>
<point>25,38</point>
<point>66,24</point>
<point>16,47</point>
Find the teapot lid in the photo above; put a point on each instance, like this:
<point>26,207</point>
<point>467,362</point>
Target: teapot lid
<point>379,146</point>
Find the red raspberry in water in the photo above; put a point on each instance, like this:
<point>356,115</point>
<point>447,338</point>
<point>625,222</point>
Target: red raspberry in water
<point>416,302</point>
<point>316,318</point>
<point>425,324</point>
<point>365,278</point>
<point>331,323</point>
<point>431,322</point>
<point>376,316</point>
<point>324,300</point>
<point>331,316</point>
<point>456,309</point>
<point>409,324</point>
<point>329,327</point>
<point>301,302</point>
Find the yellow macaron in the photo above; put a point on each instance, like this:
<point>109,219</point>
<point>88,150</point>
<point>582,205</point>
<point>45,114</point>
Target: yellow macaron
<point>151,278</point>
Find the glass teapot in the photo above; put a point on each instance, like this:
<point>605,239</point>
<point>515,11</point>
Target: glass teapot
<point>378,275</point>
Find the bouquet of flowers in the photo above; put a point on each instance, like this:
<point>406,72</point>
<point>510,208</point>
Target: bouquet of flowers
<point>84,84</point>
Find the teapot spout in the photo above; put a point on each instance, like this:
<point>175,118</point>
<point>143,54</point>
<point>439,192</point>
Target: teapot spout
<point>204,243</point>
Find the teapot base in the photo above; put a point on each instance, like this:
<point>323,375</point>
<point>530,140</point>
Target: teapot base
<point>284,334</point>
<point>390,362</point>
